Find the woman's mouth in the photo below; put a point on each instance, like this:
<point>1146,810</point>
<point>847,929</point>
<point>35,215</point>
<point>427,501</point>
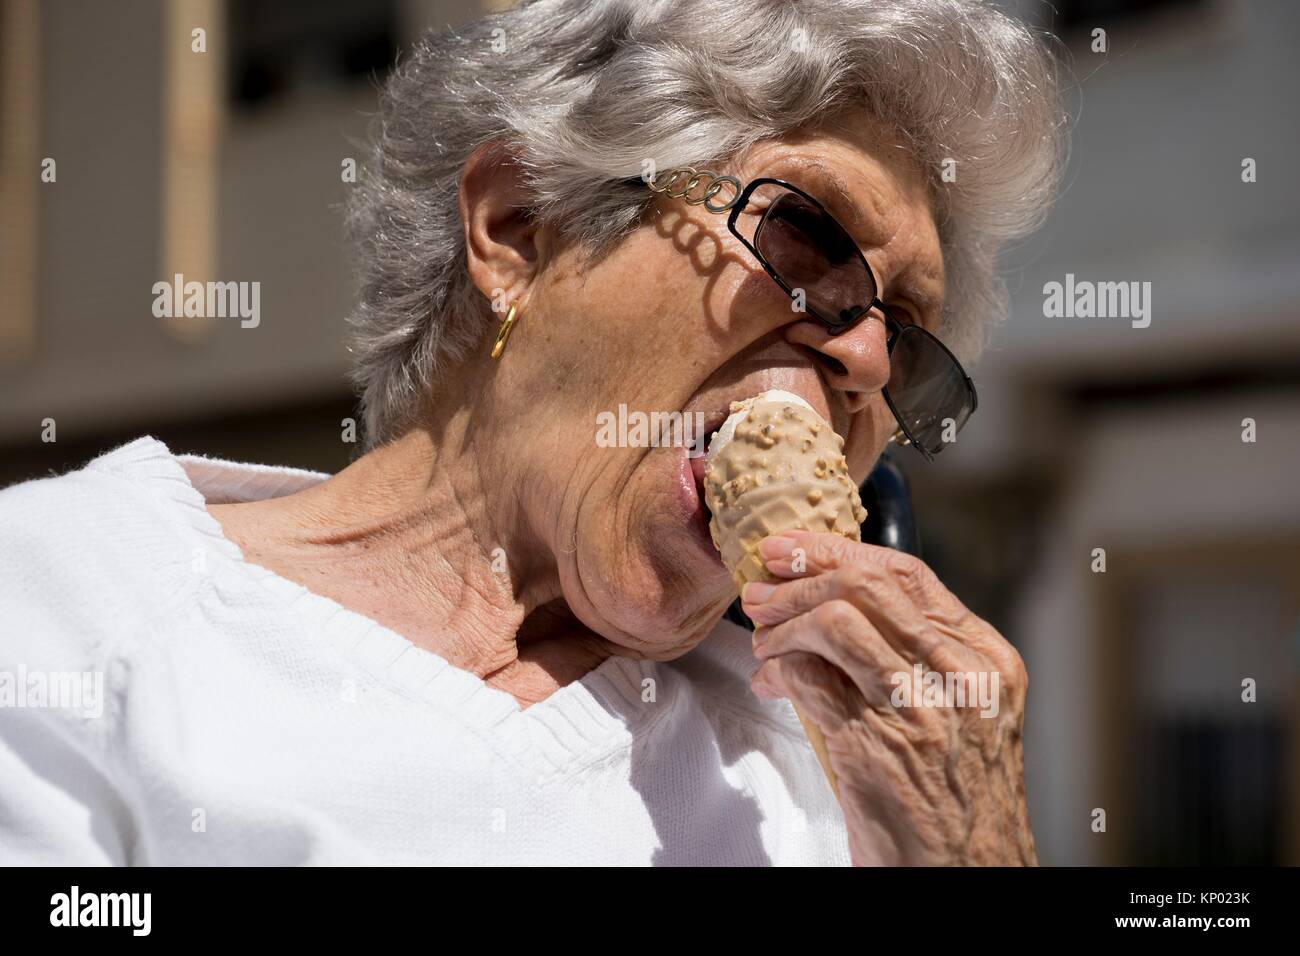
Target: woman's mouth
<point>692,465</point>
<point>699,446</point>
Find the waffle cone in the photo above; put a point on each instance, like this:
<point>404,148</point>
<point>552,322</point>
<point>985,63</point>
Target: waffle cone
<point>778,466</point>
<point>811,730</point>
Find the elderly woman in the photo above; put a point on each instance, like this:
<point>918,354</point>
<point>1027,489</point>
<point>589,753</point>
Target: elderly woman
<point>491,639</point>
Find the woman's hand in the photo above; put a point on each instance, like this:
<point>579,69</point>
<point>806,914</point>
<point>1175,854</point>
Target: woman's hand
<point>850,636</point>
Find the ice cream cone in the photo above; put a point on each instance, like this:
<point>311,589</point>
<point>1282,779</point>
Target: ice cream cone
<point>776,465</point>
<point>813,732</point>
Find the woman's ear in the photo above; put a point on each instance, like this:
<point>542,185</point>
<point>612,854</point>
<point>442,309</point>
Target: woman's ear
<point>502,240</point>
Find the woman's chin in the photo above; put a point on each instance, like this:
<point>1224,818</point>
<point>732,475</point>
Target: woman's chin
<point>670,588</point>
<point>667,635</point>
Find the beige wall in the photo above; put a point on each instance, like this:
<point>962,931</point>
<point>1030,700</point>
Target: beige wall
<point>100,360</point>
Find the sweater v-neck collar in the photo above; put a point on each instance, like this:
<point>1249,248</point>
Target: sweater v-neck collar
<point>579,723</point>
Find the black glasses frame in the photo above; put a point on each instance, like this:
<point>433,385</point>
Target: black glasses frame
<point>832,326</point>
<point>894,329</point>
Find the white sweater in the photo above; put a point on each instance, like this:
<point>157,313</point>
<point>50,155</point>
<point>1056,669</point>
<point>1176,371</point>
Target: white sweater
<point>163,701</point>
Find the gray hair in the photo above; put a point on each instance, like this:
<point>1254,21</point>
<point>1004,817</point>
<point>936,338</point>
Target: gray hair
<point>582,92</point>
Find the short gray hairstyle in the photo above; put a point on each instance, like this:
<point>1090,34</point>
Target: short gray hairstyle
<point>582,92</point>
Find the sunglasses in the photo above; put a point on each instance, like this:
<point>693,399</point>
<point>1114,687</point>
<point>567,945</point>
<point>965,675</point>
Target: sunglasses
<point>815,260</point>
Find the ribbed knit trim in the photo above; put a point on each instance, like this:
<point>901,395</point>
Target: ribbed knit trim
<point>578,723</point>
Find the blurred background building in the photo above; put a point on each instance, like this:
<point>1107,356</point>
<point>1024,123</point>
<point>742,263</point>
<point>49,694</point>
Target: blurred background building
<point>1092,434</point>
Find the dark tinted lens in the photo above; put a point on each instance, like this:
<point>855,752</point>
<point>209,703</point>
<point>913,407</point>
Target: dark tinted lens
<point>812,252</point>
<point>927,386</point>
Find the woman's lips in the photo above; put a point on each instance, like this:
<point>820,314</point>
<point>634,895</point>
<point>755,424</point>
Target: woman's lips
<point>696,453</point>
<point>690,484</point>
<point>697,465</point>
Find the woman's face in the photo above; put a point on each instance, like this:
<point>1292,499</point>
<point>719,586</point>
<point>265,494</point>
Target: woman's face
<point>681,318</point>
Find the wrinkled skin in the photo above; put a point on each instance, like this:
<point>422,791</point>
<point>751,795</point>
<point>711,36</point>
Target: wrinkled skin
<point>918,785</point>
<point>604,547</point>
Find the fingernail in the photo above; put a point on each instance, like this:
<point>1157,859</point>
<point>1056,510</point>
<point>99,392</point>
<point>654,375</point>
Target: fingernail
<point>776,547</point>
<point>756,592</point>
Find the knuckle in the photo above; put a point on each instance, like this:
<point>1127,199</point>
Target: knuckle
<point>765,670</point>
<point>809,592</point>
<point>1006,661</point>
<point>803,669</point>
<point>1013,665</point>
<point>837,618</point>
<point>910,571</point>
<point>832,549</point>
<point>930,731</point>
<point>859,581</point>
<point>940,656</point>
<point>789,594</point>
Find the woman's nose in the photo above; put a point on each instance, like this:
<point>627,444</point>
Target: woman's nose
<point>855,362</point>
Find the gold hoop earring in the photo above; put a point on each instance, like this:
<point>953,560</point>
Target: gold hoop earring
<point>503,333</point>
